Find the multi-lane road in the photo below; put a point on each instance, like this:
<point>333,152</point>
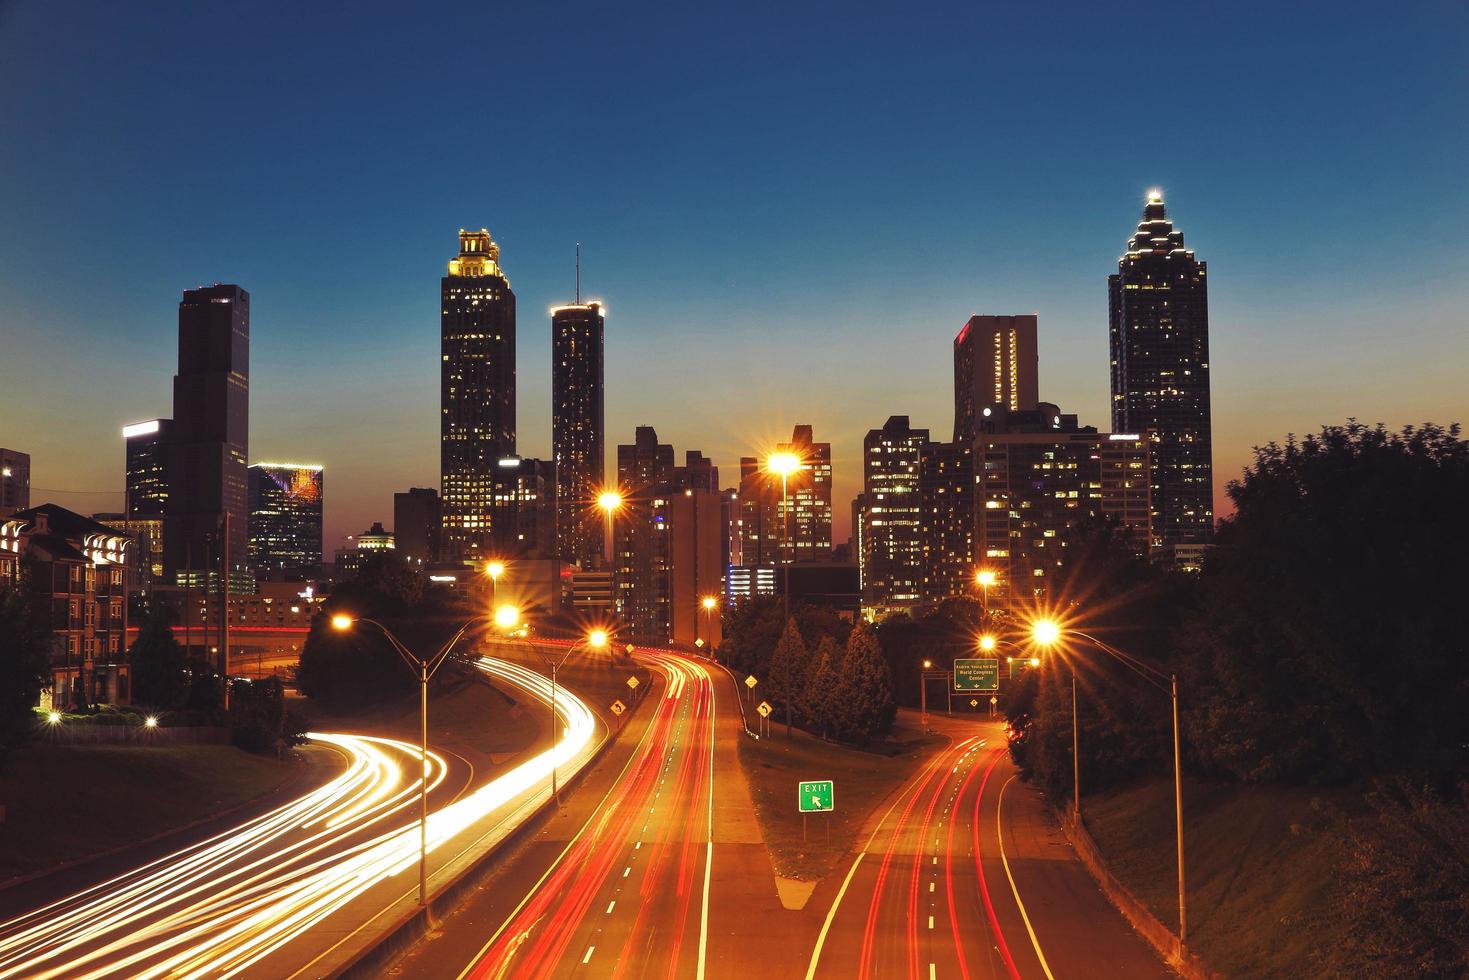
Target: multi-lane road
<point>653,867</point>
<point>966,874</point>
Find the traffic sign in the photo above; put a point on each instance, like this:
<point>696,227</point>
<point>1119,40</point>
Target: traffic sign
<point>974,702</point>
<point>750,682</point>
<point>765,709</point>
<point>816,796</point>
<point>994,701</point>
<point>631,649</point>
<point>618,707</point>
<point>977,674</point>
<point>632,683</point>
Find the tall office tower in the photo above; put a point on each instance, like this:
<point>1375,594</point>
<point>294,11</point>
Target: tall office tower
<point>995,363</point>
<point>477,392</point>
<point>1040,475</point>
<point>892,516</point>
<point>524,509</point>
<point>146,502</point>
<point>645,469</point>
<point>211,432</point>
<point>670,555</point>
<point>758,507</point>
<point>285,518</point>
<point>643,463</point>
<point>15,481</point>
<point>578,444</point>
<point>1159,324</point>
<point>946,489</point>
<point>416,522</point>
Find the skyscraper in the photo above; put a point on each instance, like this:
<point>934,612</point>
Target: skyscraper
<point>802,530</point>
<point>891,536</point>
<point>416,524</point>
<point>577,440</point>
<point>524,514</point>
<point>145,505</point>
<point>995,363</point>
<point>946,486</point>
<point>1159,330</point>
<point>285,518</point>
<point>210,443</point>
<point>477,391</point>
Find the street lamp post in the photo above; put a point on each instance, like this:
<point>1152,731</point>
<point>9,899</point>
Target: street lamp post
<point>1047,633</point>
<point>708,604</point>
<point>494,569</point>
<point>425,670</point>
<point>784,464</point>
<point>595,640</point>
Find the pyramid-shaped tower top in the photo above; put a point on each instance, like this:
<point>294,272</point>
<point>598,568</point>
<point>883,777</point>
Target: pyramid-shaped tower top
<point>1155,233</point>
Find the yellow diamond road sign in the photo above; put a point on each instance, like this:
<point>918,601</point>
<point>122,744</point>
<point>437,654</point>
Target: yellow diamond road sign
<point>765,709</point>
<point>618,707</point>
<point>632,682</point>
<point>750,682</point>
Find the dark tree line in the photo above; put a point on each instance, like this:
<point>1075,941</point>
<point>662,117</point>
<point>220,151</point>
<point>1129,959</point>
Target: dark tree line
<point>25,640</point>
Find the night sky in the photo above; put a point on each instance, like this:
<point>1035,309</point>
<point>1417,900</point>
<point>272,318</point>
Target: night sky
<point>789,210</point>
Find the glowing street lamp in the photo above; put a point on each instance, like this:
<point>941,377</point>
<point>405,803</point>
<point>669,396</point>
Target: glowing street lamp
<point>53,717</point>
<point>494,570</point>
<point>611,502</point>
<point>987,643</point>
<point>1045,632</point>
<point>424,669</point>
<point>596,639</point>
<point>151,721</point>
<point>507,617</point>
<point>783,464</point>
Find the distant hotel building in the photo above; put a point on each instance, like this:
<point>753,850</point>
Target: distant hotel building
<point>417,523</point>
<point>285,519</point>
<point>946,496</point>
<point>373,542</point>
<point>15,481</point>
<point>210,441</point>
<point>891,517</point>
<point>1040,476</point>
<point>477,394</point>
<point>995,363</point>
<point>1159,331</point>
<point>578,444</point>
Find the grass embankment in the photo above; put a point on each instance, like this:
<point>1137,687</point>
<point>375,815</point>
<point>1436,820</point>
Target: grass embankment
<point>775,764</point>
<point>68,802</point>
<point>1260,863</point>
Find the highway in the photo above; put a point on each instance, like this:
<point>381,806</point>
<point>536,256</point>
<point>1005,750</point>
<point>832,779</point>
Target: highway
<point>289,892</point>
<point>966,875</point>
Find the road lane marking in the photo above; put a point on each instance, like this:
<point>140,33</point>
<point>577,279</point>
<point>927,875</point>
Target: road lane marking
<point>1000,839</point>
<point>611,905</point>
<point>930,922</point>
<point>588,958</point>
<point>831,914</point>
<point>627,871</point>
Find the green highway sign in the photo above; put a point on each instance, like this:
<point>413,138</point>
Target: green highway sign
<point>977,674</point>
<point>816,796</point>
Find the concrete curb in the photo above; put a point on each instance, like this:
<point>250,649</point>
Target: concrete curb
<point>373,959</point>
<point>1143,921</point>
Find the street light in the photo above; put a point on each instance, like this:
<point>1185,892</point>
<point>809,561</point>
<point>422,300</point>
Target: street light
<point>783,464</point>
<point>611,502</point>
<point>708,604</point>
<point>987,643</point>
<point>424,669</point>
<point>596,639</point>
<point>1169,682</point>
<point>507,617</point>
<point>494,569</point>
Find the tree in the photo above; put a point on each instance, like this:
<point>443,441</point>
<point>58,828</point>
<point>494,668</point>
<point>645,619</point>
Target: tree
<point>24,643</point>
<point>1329,640</point>
<point>788,668</point>
<point>867,684</point>
<point>157,664</point>
<point>822,704</point>
<point>259,719</point>
<point>752,627</point>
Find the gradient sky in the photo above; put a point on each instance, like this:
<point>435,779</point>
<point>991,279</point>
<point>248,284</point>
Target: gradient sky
<point>789,209</point>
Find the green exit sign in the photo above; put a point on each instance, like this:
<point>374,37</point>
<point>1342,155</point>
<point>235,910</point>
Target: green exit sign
<point>816,796</point>
<point>977,674</point>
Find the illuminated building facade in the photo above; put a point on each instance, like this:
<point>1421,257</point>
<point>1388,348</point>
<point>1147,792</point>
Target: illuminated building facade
<point>78,572</point>
<point>210,439</point>
<point>946,492</point>
<point>523,510</point>
<point>15,481</point>
<point>374,542</point>
<point>285,519</point>
<point>578,444</point>
<point>891,518</point>
<point>802,531</point>
<point>1040,476</point>
<point>1159,333</point>
<point>995,363</point>
<point>477,392</point>
<point>145,506</point>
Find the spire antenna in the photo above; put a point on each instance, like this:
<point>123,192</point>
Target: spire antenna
<point>578,273</point>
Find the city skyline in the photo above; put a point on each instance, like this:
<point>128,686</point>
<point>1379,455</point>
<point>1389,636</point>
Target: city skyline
<point>1369,249</point>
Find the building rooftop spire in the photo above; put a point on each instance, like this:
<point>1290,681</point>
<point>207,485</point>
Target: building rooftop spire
<point>1155,233</point>
<point>478,255</point>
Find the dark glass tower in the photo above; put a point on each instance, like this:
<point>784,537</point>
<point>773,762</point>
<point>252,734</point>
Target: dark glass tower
<point>577,440</point>
<point>210,442</point>
<point>1159,322</point>
<point>477,396</point>
<point>147,468</point>
<point>285,518</point>
<point>996,363</point>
